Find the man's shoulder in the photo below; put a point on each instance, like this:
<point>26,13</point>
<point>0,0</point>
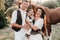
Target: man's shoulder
<point>14,12</point>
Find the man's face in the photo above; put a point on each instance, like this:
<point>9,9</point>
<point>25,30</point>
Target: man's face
<point>25,5</point>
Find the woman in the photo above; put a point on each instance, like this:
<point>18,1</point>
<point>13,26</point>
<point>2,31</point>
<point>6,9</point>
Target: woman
<point>37,24</point>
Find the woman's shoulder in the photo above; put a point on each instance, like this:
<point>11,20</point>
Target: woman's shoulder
<point>41,19</point>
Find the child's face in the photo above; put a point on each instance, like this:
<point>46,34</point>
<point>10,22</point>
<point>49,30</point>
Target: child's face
<point>31,12</point>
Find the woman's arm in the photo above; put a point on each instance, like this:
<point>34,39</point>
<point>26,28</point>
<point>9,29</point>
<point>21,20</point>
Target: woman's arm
<point>32,26</point>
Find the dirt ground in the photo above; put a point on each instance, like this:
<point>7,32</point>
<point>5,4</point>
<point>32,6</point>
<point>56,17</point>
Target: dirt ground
<point>8,34</point>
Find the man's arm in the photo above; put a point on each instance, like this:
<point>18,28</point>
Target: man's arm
<point>13,20</point>
<point>16,25</point>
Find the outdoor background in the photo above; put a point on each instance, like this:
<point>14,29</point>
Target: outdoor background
<point>8,6</point>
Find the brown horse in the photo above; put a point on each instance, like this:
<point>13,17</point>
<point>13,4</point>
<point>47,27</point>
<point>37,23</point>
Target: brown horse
<point>53,17</point>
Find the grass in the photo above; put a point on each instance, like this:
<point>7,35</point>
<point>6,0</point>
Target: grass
<point>8,34</point>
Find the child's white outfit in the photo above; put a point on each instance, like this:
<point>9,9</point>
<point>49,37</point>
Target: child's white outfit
<point>30,20</point>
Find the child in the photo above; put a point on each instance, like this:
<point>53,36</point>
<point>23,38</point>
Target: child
<point>30,17</point>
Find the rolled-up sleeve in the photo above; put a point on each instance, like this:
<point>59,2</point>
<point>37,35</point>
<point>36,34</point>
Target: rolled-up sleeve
<point>14,16</point>
<point>39,23</point>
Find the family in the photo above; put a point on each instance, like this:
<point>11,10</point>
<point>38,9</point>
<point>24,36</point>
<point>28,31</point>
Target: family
<point>27,20</point>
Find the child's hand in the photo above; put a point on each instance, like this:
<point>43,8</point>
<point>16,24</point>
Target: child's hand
<point>24,26</point>
<point>27,21</point>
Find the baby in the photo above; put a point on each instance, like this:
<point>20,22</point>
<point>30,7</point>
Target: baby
<point>30,17</point>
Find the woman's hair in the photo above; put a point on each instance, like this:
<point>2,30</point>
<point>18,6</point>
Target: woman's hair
<point>30,7</point>
<point>43,12</point>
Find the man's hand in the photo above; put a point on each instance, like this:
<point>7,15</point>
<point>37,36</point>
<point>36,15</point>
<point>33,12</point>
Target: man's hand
<point>16,25</point>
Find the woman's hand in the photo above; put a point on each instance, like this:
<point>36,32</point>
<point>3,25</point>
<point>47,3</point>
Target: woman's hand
<point>32,26</point>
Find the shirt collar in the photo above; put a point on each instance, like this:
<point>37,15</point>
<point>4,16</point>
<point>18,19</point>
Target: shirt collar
<point>22,11</point>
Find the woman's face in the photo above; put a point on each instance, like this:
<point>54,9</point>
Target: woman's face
<point>31,12</point>
<point>38,13</point>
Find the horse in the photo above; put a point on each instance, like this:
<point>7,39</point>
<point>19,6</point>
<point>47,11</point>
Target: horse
<point>52,17</point>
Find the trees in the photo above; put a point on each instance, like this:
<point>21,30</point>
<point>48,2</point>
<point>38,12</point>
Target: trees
<point>50,4</point>
<point>3,20</point>
<point>58,1</point>
<point>2,2</point>
<point>8,3</point>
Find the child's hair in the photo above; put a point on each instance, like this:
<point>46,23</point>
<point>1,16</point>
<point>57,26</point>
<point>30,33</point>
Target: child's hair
<point>30,7</point>
<point>43,12</point>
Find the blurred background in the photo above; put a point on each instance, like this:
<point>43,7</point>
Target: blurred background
<point>8,6</point>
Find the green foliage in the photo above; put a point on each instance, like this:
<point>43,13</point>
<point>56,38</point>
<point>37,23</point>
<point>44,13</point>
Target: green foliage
<point>8,3</point>
<point>10,10</point>
<point>2,6</point>
<point>3,20</point>
<point>50,4</point>
<point>58,1</point>
<point>9,13</point>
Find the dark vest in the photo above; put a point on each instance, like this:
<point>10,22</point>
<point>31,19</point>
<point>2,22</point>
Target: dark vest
<point>18,21</point>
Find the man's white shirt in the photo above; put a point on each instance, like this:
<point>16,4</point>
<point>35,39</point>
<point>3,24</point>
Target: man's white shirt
<point>20,35</point>
<point>14,16</point>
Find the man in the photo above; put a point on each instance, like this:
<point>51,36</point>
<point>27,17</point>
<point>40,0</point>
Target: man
<point>18,21</point>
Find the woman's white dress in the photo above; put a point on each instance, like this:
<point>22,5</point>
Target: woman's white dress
<point>39,24</point>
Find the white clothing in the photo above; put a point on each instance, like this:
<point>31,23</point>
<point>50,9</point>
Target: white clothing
<point>20,35</point>
<point>30,20</point>
<point>39,24</point>
<point>36,37</point>
<point>14,16</point>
